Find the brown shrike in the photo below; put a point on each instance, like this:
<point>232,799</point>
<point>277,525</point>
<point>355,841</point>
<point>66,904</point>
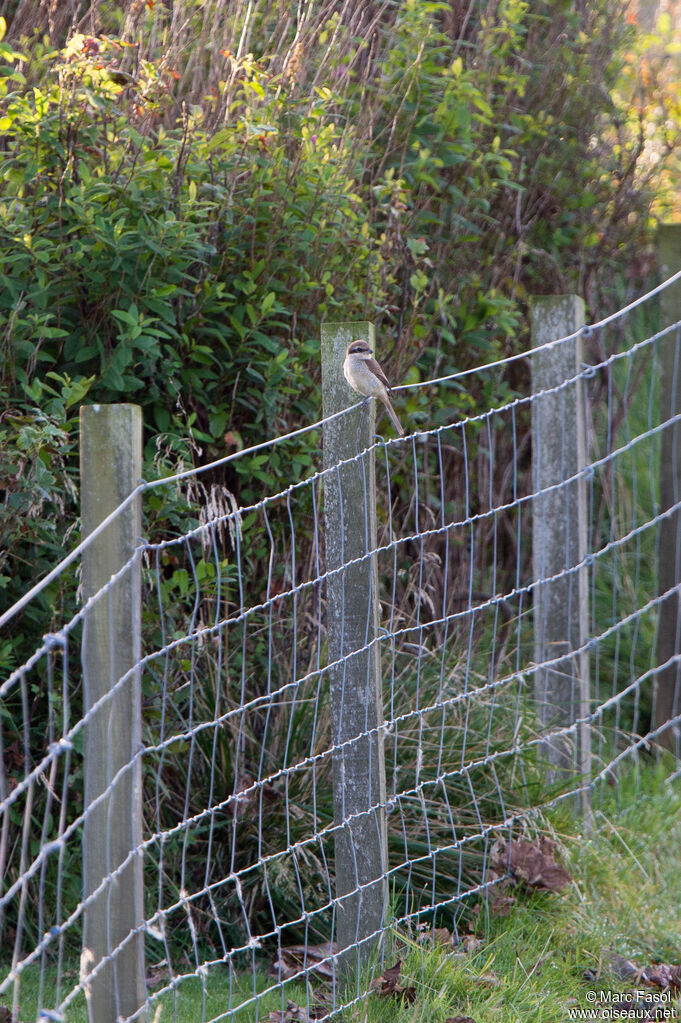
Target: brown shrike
<point>366,377</point>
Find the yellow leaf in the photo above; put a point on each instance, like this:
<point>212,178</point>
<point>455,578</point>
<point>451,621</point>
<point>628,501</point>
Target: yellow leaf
<point>256,88</point>
<point>664,23</point>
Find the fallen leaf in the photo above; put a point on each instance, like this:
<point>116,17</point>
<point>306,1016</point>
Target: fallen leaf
<point>501,904</point>
<point>621,968</point>
<point>439,936</point>
<point>666,978</point>
<point>470,943</point>
<point>408,995</point>
<point>659,975</point>
<point>156,977</point>
<point>323,1004</point>
<point>389,975</point>
<point>442,937</point>
<point>459,1019</point>
<point>292,1014</point>
<point>295,958</point>
<point>157,973</point>
<point>387,984</point>
<point>530,863</point>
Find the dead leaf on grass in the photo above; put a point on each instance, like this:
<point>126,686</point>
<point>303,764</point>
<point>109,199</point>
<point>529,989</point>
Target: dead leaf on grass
<point>500,903</point>
<point>296,958</point>
<point>388,984</point>
<point>502,906</point>
<point>442,937</point>
<point>459,1019</point>
<point>292,1014</point>
<point>666,978</point>
<point>658,975</point>
<point>620,967</point>
<point>531,863</point>
<point>437,936</point>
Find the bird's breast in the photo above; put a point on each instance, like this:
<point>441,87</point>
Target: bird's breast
<point>361,379</point>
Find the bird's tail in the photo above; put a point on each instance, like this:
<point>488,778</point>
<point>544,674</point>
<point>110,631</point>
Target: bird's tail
<point>393,415</point>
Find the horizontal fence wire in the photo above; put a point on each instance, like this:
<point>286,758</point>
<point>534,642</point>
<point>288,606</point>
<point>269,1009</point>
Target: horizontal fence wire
<point>238,748</point>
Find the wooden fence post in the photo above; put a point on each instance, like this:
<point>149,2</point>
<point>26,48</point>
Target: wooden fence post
<point>353,651</point>
<point>111,467</point>
<point>559,537</point>
<point>667,689</point>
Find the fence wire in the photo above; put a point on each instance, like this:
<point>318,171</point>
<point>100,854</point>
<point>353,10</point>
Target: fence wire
<point>238,743</point>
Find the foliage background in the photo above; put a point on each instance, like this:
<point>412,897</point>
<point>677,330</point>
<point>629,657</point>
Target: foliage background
<point>189,189</point>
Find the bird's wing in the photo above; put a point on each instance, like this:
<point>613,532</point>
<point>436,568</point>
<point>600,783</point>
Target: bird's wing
<point>372,365</point>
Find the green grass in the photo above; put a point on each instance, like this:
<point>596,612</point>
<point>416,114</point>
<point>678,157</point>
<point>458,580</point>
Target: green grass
<point>625,898</point>
<point>186,1005</point>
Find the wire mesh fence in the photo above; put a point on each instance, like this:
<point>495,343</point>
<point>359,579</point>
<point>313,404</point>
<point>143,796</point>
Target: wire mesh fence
<point>238,740</point>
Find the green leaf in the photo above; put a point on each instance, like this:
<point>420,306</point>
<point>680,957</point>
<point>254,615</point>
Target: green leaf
<point>417,246</point>
<point>217,421</point>
<point>267,302</point>
<point>220,138</point>
<point>129,316</point>
<point>43,331</point>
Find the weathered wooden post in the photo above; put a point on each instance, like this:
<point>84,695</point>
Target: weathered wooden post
<point>353,653</point>
<point>111,467</point>
<point>559,536</point>
<point>667,688</point>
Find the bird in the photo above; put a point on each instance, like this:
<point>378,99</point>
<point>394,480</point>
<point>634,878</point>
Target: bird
<point>366,377</point>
